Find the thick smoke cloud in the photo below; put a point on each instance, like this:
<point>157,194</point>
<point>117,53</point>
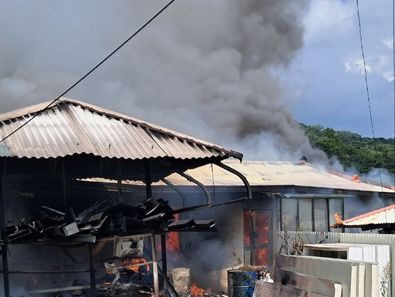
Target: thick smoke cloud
<point>205,67</point>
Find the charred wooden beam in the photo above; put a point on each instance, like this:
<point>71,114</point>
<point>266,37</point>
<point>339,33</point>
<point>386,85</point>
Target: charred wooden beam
<point>57,290</point>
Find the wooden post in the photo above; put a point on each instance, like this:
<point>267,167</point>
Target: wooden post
<point>164,257</point>
<point>154,266</point>
<point>4,246</point>
<point>92,277</point>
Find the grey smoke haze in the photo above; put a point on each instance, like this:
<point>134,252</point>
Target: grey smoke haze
<point>204,67</point>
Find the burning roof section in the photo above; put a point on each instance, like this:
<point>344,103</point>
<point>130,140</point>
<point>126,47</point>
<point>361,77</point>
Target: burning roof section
<point>71,127</point>
<point>379,217</point>
<point>279,174</point>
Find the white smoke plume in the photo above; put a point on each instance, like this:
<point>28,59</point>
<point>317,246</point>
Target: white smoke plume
<point>204,67</point>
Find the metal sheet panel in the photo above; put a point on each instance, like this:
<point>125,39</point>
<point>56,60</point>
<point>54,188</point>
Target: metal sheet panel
<point>71,127</point>
<point>277,174</point>
<point>385,215</point>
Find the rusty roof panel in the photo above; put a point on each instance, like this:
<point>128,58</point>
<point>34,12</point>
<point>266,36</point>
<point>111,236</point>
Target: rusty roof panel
<point>71,127</point>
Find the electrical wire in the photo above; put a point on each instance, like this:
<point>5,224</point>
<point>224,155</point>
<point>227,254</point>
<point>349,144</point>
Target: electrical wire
<point>367,85</point>
<point>89,72</point>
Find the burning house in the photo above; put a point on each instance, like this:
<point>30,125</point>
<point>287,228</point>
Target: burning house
<point>87,194</point>
<point>60,232</point>
<point>286,197</point>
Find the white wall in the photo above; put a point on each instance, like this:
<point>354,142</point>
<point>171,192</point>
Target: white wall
<point>334,237</point>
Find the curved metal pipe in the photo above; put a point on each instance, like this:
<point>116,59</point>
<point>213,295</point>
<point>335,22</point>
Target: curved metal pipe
<point>173,187</point>
<point>209,201</point>
<point>195,181</point>
<point>241,176</point>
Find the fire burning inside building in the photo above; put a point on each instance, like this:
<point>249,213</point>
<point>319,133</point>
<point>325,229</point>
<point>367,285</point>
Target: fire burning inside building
<point>54,222</point>
<point>100,204</point>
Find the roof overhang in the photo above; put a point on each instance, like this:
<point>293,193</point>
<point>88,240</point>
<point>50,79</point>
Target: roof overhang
<point>91,141</point>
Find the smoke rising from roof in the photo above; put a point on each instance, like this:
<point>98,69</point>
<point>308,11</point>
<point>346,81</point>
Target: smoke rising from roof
<point>204,67</point>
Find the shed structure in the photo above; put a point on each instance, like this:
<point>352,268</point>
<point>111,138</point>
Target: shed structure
<point>382,218</point>
<point>70,140</point>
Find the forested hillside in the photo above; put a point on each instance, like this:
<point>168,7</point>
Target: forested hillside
<point>353,150</point>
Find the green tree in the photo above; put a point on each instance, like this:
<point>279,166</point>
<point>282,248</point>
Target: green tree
<point>353,150</point>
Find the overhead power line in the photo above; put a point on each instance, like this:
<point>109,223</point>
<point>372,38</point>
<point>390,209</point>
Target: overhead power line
<point>89,72</point>
<point>364,68</point>
<point>367,84</point>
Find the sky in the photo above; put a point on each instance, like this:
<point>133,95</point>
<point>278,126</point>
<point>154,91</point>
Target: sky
<point>326,78</point>
<point>238,73</point>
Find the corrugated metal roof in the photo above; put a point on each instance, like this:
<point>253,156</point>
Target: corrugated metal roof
<point>71,127</point>
<point>382,216</point>
<point>277,174</point>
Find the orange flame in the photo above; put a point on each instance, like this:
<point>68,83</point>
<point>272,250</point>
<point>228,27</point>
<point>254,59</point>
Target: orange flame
<point>199,292</point>
<point>356,178</point>
<point>261,257</point>
<point>132,264</point>
<point>173,240</point>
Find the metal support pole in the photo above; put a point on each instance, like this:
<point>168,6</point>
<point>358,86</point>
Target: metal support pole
<point>164,257</point>
<point>4,247</point>
<point>148,180</point>
<point>92,276</point>
<point>66,202</point>
<point>119,182</point>
<point>154,266</point>
<point>253,235</point>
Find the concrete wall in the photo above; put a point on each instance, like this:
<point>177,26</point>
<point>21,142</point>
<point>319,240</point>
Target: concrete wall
<point>309,283</point>
<point>359,238</point>
<point>349,273</point>
<point>264,289</point>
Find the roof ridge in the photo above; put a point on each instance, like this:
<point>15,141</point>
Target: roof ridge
<point>24,111</point>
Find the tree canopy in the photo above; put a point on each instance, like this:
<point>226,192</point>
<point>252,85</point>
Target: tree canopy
<point>353,150</point>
